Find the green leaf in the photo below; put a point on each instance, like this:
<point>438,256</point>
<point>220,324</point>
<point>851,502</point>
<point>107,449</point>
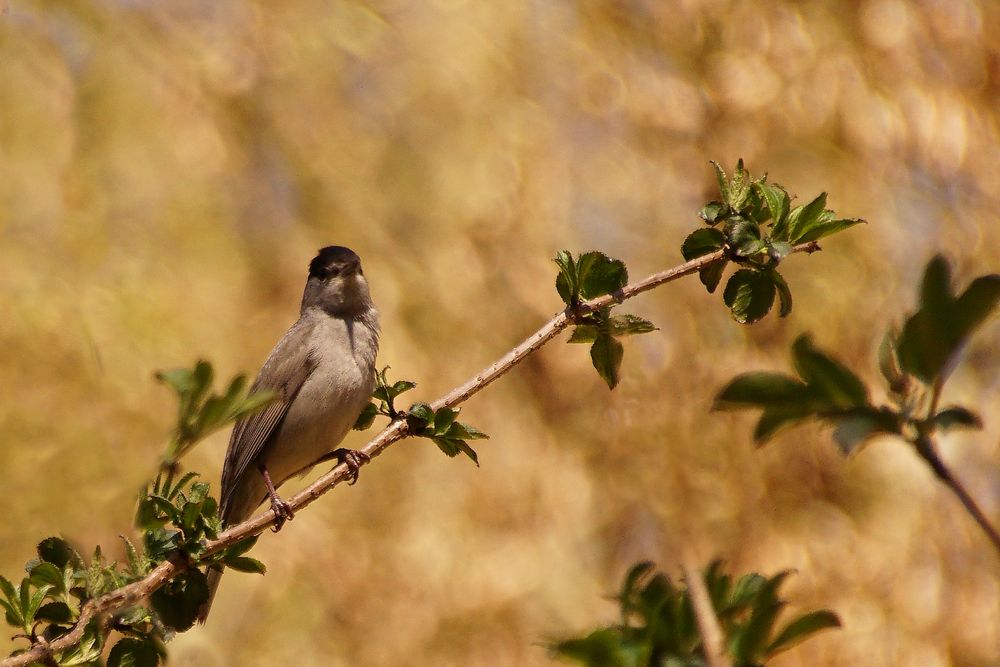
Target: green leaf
<point>800,629</point>
<point>778,250</point>
<point>465,432</point>
<point>366,418</point>
<point>584,333</point>
<point>712,274</point>
<point>826,228</point>
<point>777,202</point>
<point>443,419</point>
<point>803,219</point>
<point>774,419</point>
<point>54,612</point>
<point>784,293</point>
<point>628,325</point>
<point>703,241</point>
<point>47,573</point>
<point>58,551</point>
<point>603,648</point>
<point>760,389</point>
<point>599,274</point>
<point>606,354</point>
<point>132,652</point>
<point>956,417</point>
<point>246,564</point>
<point>743,236</point>
<point>419,416</point>
<point>566,282</point>
<point>932,337</point>
<point>177,602</point>
<point>749,295</point>
<point>712,212</point>
<point>856,426</point>
<point>242,546</point>
<point>831,379</point>
<point>454,446</point>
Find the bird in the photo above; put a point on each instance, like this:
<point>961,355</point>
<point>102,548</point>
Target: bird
<point>322,374</point>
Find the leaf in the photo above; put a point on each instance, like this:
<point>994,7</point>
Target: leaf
<point>712,274</point>
<point>777,202</point>
<point>603,648</point>
<point>443,419</point>
<point>800,629</point>
<point>774,419</point>
<point>419,416</point>
<point>749,295</point>
<point>712,212</point>
<point>58,551</point>
<point>858,425</point>
<point>599,274</point>
<point>759,389</point>
<point>366,418</point>
<point>246,564</point>
<point>47,573</point>
<point>803,219</point>
<point>784,293</point>
<point>831,379</point>
<point>465,432</point>
<point>628,325</point>
<point>956,417</point>
<point>584,333</point>
<point>177,602</point>
<point>932,337</point>
<point>132,652</point>
<point>826,228</point>
<point>703,241</point>
<point>54,612</point>
<point>566,283</point>
<point>743,236</point>
<point>606,354</point>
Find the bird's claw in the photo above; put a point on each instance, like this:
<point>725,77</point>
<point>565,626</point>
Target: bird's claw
<point>353,459</point>
<point>282,513</point>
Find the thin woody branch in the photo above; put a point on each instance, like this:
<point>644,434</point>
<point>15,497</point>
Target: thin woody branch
<point>135,592</point>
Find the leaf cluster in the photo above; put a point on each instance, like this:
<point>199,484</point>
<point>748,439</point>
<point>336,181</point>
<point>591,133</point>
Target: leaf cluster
<point>201,413</point>
<point>756,226</point>
<point>589,276</point>
<point>175,515</point>
<point>914,363</point>
<point>451,436</point>
<point>658,624</point>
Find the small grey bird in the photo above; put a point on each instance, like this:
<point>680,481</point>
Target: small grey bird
<point>322,372</point>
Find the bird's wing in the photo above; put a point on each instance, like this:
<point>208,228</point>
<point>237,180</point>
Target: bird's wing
<point>285,371</point>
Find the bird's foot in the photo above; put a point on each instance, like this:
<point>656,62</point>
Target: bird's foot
<point>282,512</point>
<point>353,459</point>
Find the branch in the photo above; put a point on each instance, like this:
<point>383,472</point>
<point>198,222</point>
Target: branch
<point>131,594</point>
<point>927,451</point>
<point>708,623</point>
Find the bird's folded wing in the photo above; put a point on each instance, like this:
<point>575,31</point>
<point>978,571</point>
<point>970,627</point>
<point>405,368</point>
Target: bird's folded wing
<point>284,373</point>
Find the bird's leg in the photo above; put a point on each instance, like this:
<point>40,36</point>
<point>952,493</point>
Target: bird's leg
<point>282,510</point>
<point>352,458</point>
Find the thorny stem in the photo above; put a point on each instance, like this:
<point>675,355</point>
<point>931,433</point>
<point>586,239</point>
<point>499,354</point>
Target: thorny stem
<point>395,431</point>
<point>712,642</point>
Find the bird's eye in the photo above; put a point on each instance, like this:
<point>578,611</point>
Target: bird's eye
<point>332,272</point>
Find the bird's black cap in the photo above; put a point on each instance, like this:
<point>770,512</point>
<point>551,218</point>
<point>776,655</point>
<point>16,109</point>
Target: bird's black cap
<point>330,257</point>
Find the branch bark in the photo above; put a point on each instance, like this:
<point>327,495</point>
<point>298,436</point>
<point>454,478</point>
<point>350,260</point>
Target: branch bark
<point>704,615</point>
<point>133,593</point>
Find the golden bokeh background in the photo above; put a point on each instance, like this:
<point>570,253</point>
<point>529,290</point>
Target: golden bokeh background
<point>167,170</point>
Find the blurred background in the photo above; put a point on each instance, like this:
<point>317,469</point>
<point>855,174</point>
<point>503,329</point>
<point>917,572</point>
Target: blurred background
<point>167,171</point>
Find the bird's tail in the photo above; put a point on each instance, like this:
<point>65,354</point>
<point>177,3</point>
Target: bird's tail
<point>236,508</point>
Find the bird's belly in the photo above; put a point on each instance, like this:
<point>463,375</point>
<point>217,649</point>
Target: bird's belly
<point>322,413</point>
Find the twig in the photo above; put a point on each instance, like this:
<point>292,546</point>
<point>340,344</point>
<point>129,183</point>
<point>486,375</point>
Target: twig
<point>927,451</point>
<point>397,430</point>
<point>708,623</point>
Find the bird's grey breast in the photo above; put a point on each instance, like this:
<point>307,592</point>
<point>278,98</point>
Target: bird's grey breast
<point>343,351</point>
